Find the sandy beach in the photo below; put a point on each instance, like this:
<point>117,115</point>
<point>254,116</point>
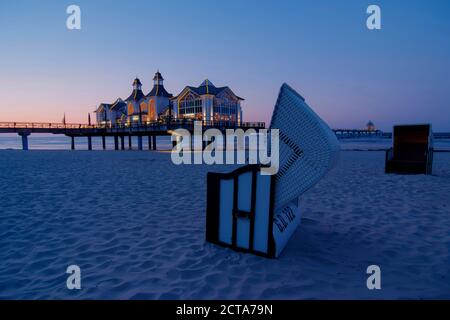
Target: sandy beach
<point>135,224</point>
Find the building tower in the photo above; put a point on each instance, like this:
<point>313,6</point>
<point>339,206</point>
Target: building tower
<point>158,99</point>
<point>134,109</point>
<point>370,126</point>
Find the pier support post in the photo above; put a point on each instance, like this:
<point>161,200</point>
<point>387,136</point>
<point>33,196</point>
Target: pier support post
<point>130,142</point>
<point>140,142</point>
<point>116,142</point>
<point>104,142</point>
<point>122,142</point>
<point>154,142</point>
<point>149,142</point>
<point>24,136</point>
<point>89,142</point>
<point>72,143</point>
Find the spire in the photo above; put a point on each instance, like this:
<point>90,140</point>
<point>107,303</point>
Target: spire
<point>208,85</point>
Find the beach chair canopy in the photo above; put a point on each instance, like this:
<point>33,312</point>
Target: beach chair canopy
<point>308,147</point>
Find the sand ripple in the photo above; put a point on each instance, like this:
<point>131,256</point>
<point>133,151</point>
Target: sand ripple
<point>134,223</point>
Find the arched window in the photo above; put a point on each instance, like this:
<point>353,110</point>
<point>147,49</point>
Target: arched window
<point>144,107</point>
<point>130,109</point>
<point>151,110</point>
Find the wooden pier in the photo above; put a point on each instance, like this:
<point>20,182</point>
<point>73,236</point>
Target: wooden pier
<point>120,133</point>
<point>357,133</point>
<point>123,134</point>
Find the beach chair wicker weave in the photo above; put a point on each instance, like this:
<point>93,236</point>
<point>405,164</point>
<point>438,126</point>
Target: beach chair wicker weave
<point>308,147</point>
<point>251,212</point>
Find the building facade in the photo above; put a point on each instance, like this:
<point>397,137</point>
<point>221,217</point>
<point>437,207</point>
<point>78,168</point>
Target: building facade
<point>370,126</point>
<point>110,114</point>
<point>206,102</point>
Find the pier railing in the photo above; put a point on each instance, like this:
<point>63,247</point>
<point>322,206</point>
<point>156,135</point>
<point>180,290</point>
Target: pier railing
<point>42,125</point>
<point>175,123</point>
<point>150,129</point>
<point>80,128</point>
<point>182,123</point>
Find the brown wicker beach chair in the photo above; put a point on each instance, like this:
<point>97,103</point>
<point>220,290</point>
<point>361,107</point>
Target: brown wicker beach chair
<point>412,151</point>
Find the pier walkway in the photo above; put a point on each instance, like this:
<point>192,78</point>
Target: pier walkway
<point>119,132</point>
<point>152,130</point>
<point>358,133</point>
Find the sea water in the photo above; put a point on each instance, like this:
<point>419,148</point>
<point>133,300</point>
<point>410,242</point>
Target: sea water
<point>61,142</point>
<point>377,143</point>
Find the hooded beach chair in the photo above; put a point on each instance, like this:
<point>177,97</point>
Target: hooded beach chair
<point>412,150</point>
<point>256,213</point>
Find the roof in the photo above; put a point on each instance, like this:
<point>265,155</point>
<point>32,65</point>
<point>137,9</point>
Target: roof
<point>159,91</point>
<point>207,83</point>
<point>103,106</point>
<point>207,87</point>
<point>136,95</point>
<point>118,104</point>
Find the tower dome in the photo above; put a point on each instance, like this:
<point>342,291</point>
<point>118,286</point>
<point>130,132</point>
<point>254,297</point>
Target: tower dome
<point>137,85</point>
<point>158,78</point>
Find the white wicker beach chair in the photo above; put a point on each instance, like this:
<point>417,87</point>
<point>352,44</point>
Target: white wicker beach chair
<point>254,213</point>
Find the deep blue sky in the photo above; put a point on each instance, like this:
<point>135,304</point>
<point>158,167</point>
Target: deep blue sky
<point>322,48</point>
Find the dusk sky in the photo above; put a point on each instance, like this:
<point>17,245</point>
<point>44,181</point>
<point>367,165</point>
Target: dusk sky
<point>347,73</point>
